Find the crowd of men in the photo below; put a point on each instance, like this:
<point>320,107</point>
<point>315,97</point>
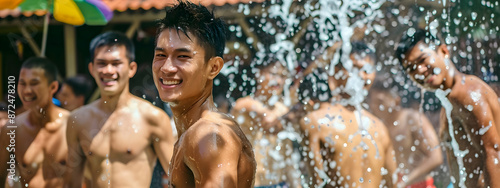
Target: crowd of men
<point>118,139</point>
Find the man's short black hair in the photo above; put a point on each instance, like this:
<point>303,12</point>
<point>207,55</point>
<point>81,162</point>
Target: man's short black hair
<point>81,85</point>
<point>362,49</point>
<point>413,36</point>
<point>50,70</point>
<point>196,19</point>
<point>112,38</point>
<point>314,86</point>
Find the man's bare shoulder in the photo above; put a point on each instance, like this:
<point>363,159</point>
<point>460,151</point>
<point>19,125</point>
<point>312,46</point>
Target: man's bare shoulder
<point>469,87</point>
<point>214,125</point>
<point>150,112</point>
<point>82,115</point>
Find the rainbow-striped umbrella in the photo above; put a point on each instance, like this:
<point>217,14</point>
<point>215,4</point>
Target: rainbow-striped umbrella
<point>74,12</point>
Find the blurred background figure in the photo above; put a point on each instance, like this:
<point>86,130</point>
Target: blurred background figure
<point>259,115</point>
<point>75,92</point>
<point>414,139</point>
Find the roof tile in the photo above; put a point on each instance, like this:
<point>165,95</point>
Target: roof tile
<point>124,5</point>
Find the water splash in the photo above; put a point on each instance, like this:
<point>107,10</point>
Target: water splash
<point>459,154</point>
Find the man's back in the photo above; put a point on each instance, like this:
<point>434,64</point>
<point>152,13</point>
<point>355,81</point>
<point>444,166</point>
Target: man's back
<point>118,145</point>
<point>214,141</point>
<point>353,153</point>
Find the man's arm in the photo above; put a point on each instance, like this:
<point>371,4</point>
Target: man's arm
<point>162,138</point>
<point>246,107</point>
<point>429,145</point>
<point>213,156</point>
<point>320,176</point>
<point>76,157</point>
<point>487,130</point>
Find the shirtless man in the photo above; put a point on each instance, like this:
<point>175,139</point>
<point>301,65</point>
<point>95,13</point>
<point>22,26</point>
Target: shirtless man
<point>470,124</point>
<point>119,136</point>
<point>38,155</point>
<point>258,115</point>
<point>212,150</point>
<point>347,148</point>
<point>413,137</point>
<point>75,92</point>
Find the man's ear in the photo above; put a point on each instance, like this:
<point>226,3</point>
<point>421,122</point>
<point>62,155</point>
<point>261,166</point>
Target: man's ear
<point>443,49</point>
<point>54,86</point>
<point>90,66</point>
<point>215,65</point>
<point>133,69</point>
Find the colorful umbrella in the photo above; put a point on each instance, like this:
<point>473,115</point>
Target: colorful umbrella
<point>74,12</point>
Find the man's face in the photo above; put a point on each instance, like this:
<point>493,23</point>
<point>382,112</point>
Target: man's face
<point>363,67</point>
<point>69,100</point>
<point>111,69</point>
<point>272,79</point>
<point>179,68</point>
<point>34,89</point>
<point>428,67</point>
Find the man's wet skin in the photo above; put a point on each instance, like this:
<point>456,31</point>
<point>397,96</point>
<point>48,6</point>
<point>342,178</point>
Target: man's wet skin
<point>473,132</point>
<point>40,149</point>
<point>120,135</point>
<point>415,141</point>
<point>260,122</point>
<point>344,153</point>
<point>212,151</point>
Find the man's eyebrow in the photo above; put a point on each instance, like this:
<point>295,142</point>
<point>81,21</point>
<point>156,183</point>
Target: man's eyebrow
<point>105,60</point>
<point>183,50</point>
<point>420,57</point>
<point>178,49</point>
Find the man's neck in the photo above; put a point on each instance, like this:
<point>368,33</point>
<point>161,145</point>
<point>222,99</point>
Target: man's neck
<point>38,118</point>
<point>109,103</point>
<point>188,112</point>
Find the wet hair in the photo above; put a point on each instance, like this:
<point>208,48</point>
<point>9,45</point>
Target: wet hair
<point>362,49</point>
<point>81,85</point>
<point>411,37</point>
<point>196,19</point>
<point>112,38</point>
<point>50,70</point>
<point>314,86</point>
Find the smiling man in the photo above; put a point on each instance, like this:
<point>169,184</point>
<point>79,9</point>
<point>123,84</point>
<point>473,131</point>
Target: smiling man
<point>470,125</point>
<point>212,150</point>
<point>119,136</point>
<point>38,151</point>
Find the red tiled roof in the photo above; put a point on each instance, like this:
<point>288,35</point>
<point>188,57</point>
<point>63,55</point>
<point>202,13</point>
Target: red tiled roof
<point>124,5</point>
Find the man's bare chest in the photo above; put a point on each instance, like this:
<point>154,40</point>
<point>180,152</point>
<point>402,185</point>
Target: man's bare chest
<point>44,149</point>
<point>124,134</point>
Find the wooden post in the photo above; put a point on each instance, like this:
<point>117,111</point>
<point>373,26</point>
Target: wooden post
<point>70,50</point>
